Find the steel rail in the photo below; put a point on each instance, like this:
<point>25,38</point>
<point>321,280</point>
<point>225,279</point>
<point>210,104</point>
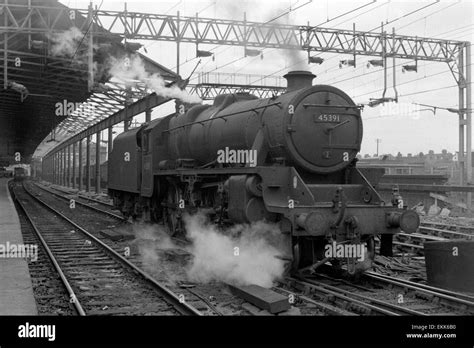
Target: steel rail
<point>81,196</point>
<point>181,306</point>
<point>448,295</point>
<point>82,204</point>
<point>64,280</point>
<point>355,298</point>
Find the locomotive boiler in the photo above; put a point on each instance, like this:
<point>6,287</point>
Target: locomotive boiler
<point>289,160</point>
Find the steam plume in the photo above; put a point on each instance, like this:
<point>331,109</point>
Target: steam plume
<point>66,43</point>
<point>133,69</point>
<point>242,255</point>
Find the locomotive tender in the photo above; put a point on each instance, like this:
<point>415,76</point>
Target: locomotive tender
<point>301,175</point>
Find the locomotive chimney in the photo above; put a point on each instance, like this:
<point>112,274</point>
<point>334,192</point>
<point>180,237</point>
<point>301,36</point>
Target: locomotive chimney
<point>298,79</point>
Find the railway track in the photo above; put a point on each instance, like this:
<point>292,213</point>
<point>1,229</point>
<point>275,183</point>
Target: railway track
<point>353,300</point>
<point>447,231</point>
<point>451,298</point>
<point>83,201</point>
<point>413,243</point>
<point>97,279</point>
<point>430,231</point>
<point>95,219</point>
<point>49,292</point>
<point>317,308</point>
<point>321,299</point>
<point>377,294</point>
<point>84,197</point>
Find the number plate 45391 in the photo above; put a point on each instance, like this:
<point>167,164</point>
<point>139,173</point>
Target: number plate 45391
<point>325,118</point>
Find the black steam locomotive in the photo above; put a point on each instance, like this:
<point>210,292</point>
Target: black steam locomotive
<point>290,160</point>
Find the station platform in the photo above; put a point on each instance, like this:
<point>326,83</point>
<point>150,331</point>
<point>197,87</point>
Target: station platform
<point>16,290</point>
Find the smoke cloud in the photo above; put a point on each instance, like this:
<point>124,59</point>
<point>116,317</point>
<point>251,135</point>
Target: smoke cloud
<point>296,59</point>
<point>131,70</point>
<point>277,15</point>
<point>153,245</point>
<point>65,44</point>
<point>241,255</point>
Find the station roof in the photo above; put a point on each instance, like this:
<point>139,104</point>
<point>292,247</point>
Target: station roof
<point>43,62</point>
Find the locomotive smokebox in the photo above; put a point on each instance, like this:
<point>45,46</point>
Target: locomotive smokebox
<point>299,79</point>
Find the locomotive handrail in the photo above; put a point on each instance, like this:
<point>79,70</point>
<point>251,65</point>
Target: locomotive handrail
<point>359,107</point>
<point>222,116</point>
<point>337,125</point>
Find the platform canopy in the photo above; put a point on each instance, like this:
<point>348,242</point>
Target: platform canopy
<point>45,62</point>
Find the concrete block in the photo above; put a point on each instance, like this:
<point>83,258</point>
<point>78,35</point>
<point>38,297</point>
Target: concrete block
<point>293,311</point>
<point>263,298</point>
<point>254,309</point>
<point>116,235</point>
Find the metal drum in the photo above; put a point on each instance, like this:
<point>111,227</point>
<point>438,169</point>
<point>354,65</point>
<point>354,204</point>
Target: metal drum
<point>450,264</point>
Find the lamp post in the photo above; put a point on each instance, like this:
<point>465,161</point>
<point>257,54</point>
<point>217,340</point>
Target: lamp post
<point>378,141</point>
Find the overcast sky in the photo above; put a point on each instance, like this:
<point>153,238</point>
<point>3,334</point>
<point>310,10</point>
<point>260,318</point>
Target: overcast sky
<point>397,129</point>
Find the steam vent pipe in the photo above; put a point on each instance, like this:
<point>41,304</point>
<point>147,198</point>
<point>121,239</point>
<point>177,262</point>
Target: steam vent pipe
<point>299,79</point>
